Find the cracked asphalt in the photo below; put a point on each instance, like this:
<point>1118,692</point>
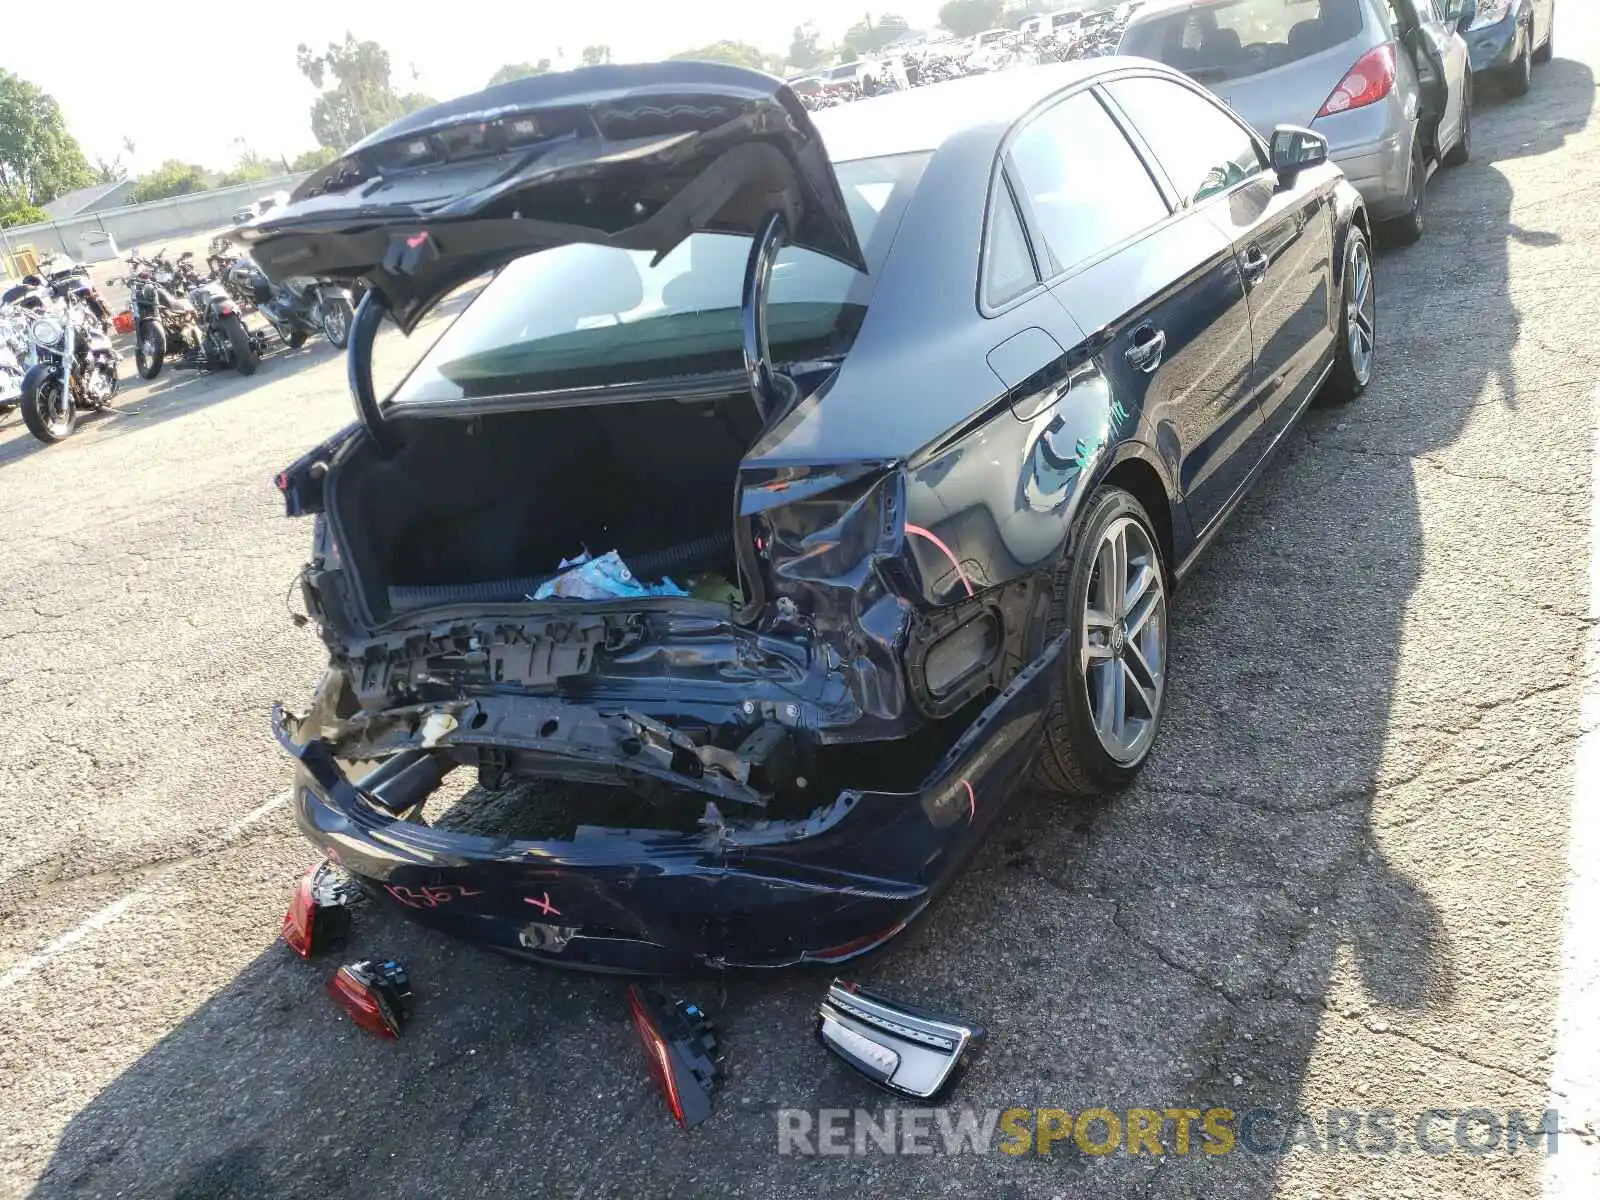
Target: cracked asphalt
<point>1341,883</point>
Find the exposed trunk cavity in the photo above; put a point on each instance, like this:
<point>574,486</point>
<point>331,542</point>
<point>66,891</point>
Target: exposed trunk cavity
<point>484,510</point>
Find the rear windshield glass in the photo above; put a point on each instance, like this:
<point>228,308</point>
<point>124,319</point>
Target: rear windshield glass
<point>584,316</point>
<point>1235,38</point>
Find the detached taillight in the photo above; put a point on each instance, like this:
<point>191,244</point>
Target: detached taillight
<point>319,912</point>
<point>1370,80</point>
<point>681,1052</point>
<point>376,995</point>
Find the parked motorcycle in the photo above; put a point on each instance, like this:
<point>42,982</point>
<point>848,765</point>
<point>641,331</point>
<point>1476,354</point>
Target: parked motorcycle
<point>173,306</point>
<point>16,356</point>
<point>75,367</point>
<point>298,307</point>
<point>69,280</point>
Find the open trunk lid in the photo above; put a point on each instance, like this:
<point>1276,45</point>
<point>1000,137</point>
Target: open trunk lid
<point>635,156</point>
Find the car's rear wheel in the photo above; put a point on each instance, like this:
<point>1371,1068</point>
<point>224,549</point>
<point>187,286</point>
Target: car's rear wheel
<point>1518,77</point>
<point>1112,596</point>
<point>1356,350</point>
<point>1408,230</point>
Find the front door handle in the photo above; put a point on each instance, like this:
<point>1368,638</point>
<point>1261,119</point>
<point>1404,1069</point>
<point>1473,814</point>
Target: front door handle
<point>1149,344</point>
<point>1255,266</point>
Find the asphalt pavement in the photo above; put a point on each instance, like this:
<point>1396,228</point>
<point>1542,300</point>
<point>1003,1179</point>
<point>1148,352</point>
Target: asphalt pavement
<point>1341,884</point>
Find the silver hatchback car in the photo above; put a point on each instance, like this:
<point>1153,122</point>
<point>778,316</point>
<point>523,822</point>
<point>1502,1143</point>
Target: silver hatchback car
<point>1387,82</point>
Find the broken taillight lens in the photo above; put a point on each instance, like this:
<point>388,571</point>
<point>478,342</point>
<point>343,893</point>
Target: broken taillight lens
<point>376,995</point>
<point>680,1050</point>
<point>319,912</point>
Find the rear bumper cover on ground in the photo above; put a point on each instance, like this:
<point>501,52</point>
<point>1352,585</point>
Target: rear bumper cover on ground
<point>824,890</point>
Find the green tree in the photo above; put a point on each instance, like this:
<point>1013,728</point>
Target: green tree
<point>739,54</point>
<point>593,56</point>
<point>249,167</point>
<point>109,172</point>
<point>519,71</point>
<point>869,36</point>
<point>16,211</point>
<point>805,50</point>
<point>39,159</point>
<point>1017,11</point>
<point>967,17</point>
<point>358,97</point>
<point>312,159</point>
<point>171,178</point>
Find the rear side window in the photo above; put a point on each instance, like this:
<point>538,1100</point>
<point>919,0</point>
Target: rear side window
<point>1087,188</point>
<point>1202,149</point>
<point>1008,264</point>
<point>1235,38</point>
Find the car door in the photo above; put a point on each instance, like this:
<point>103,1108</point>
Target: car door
<point>1440,56</point>
<point>1283,236</point>
<point>1159,293</point>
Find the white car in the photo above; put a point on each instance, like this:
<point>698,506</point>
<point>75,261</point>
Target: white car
<point>266,204</point>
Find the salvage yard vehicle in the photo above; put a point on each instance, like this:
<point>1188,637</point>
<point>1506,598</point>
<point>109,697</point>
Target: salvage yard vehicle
<point>948,417</point>
<point>1507,37</point>
<point>75,367</point>
<point>1387,82</point>
<point>173,308</point>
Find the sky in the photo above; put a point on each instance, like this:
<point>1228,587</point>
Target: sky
<point>226,72</point>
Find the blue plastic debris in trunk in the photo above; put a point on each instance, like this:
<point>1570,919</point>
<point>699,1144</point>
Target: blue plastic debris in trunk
<point>603,578</point>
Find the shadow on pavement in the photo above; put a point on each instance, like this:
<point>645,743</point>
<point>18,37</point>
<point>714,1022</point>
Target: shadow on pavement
<point>176,392</point>
<point>1139,953</point>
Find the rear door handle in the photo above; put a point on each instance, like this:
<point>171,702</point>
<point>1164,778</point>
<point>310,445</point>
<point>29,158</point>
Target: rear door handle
<point>1255,265</point>
<point>1149,344</point>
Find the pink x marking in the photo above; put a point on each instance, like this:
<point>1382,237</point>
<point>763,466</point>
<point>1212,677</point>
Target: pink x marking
<point>543,905</point>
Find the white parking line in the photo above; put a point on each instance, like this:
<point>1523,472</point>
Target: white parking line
<point>70,939</point>
<point>1573,1173</point>
<point>251,817</point>
<point>112,911</point>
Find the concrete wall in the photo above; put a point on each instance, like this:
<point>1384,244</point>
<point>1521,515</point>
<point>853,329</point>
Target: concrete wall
<point>134,224</point>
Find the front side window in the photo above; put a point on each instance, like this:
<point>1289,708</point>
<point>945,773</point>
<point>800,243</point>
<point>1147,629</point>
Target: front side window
<point>1086,187</point>
<point>1202,149</point>
<point>584,315</point>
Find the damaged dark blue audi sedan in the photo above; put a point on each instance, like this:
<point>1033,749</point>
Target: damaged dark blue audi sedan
<point>795,488</point>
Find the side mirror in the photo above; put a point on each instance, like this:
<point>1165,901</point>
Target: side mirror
<point>1462,12</point>
<point>1294,150</point>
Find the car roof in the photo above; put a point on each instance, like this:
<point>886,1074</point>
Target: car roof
<point>922,119</point>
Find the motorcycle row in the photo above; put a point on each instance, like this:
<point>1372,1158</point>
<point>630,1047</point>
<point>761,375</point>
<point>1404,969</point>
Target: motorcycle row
<point>926,65</point>
<point>56,353</point>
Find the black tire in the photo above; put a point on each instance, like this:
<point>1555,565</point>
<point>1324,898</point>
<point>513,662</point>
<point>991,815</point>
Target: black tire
<point>245,360</point>
<point>1461,153</point>
<point>1518,77</point>
<point>336,318</point>
<point>1547,51</point>
<point>40,387</point>
<point>150,349</point>
<point>1408,230</point>
<point>298,339</point>
<point>1070,759</point>
<point>1348,380</point>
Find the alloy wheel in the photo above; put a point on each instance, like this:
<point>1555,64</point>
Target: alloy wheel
<point>1123,653</point>
<point>55,408</point>
<point>1361,310</point>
